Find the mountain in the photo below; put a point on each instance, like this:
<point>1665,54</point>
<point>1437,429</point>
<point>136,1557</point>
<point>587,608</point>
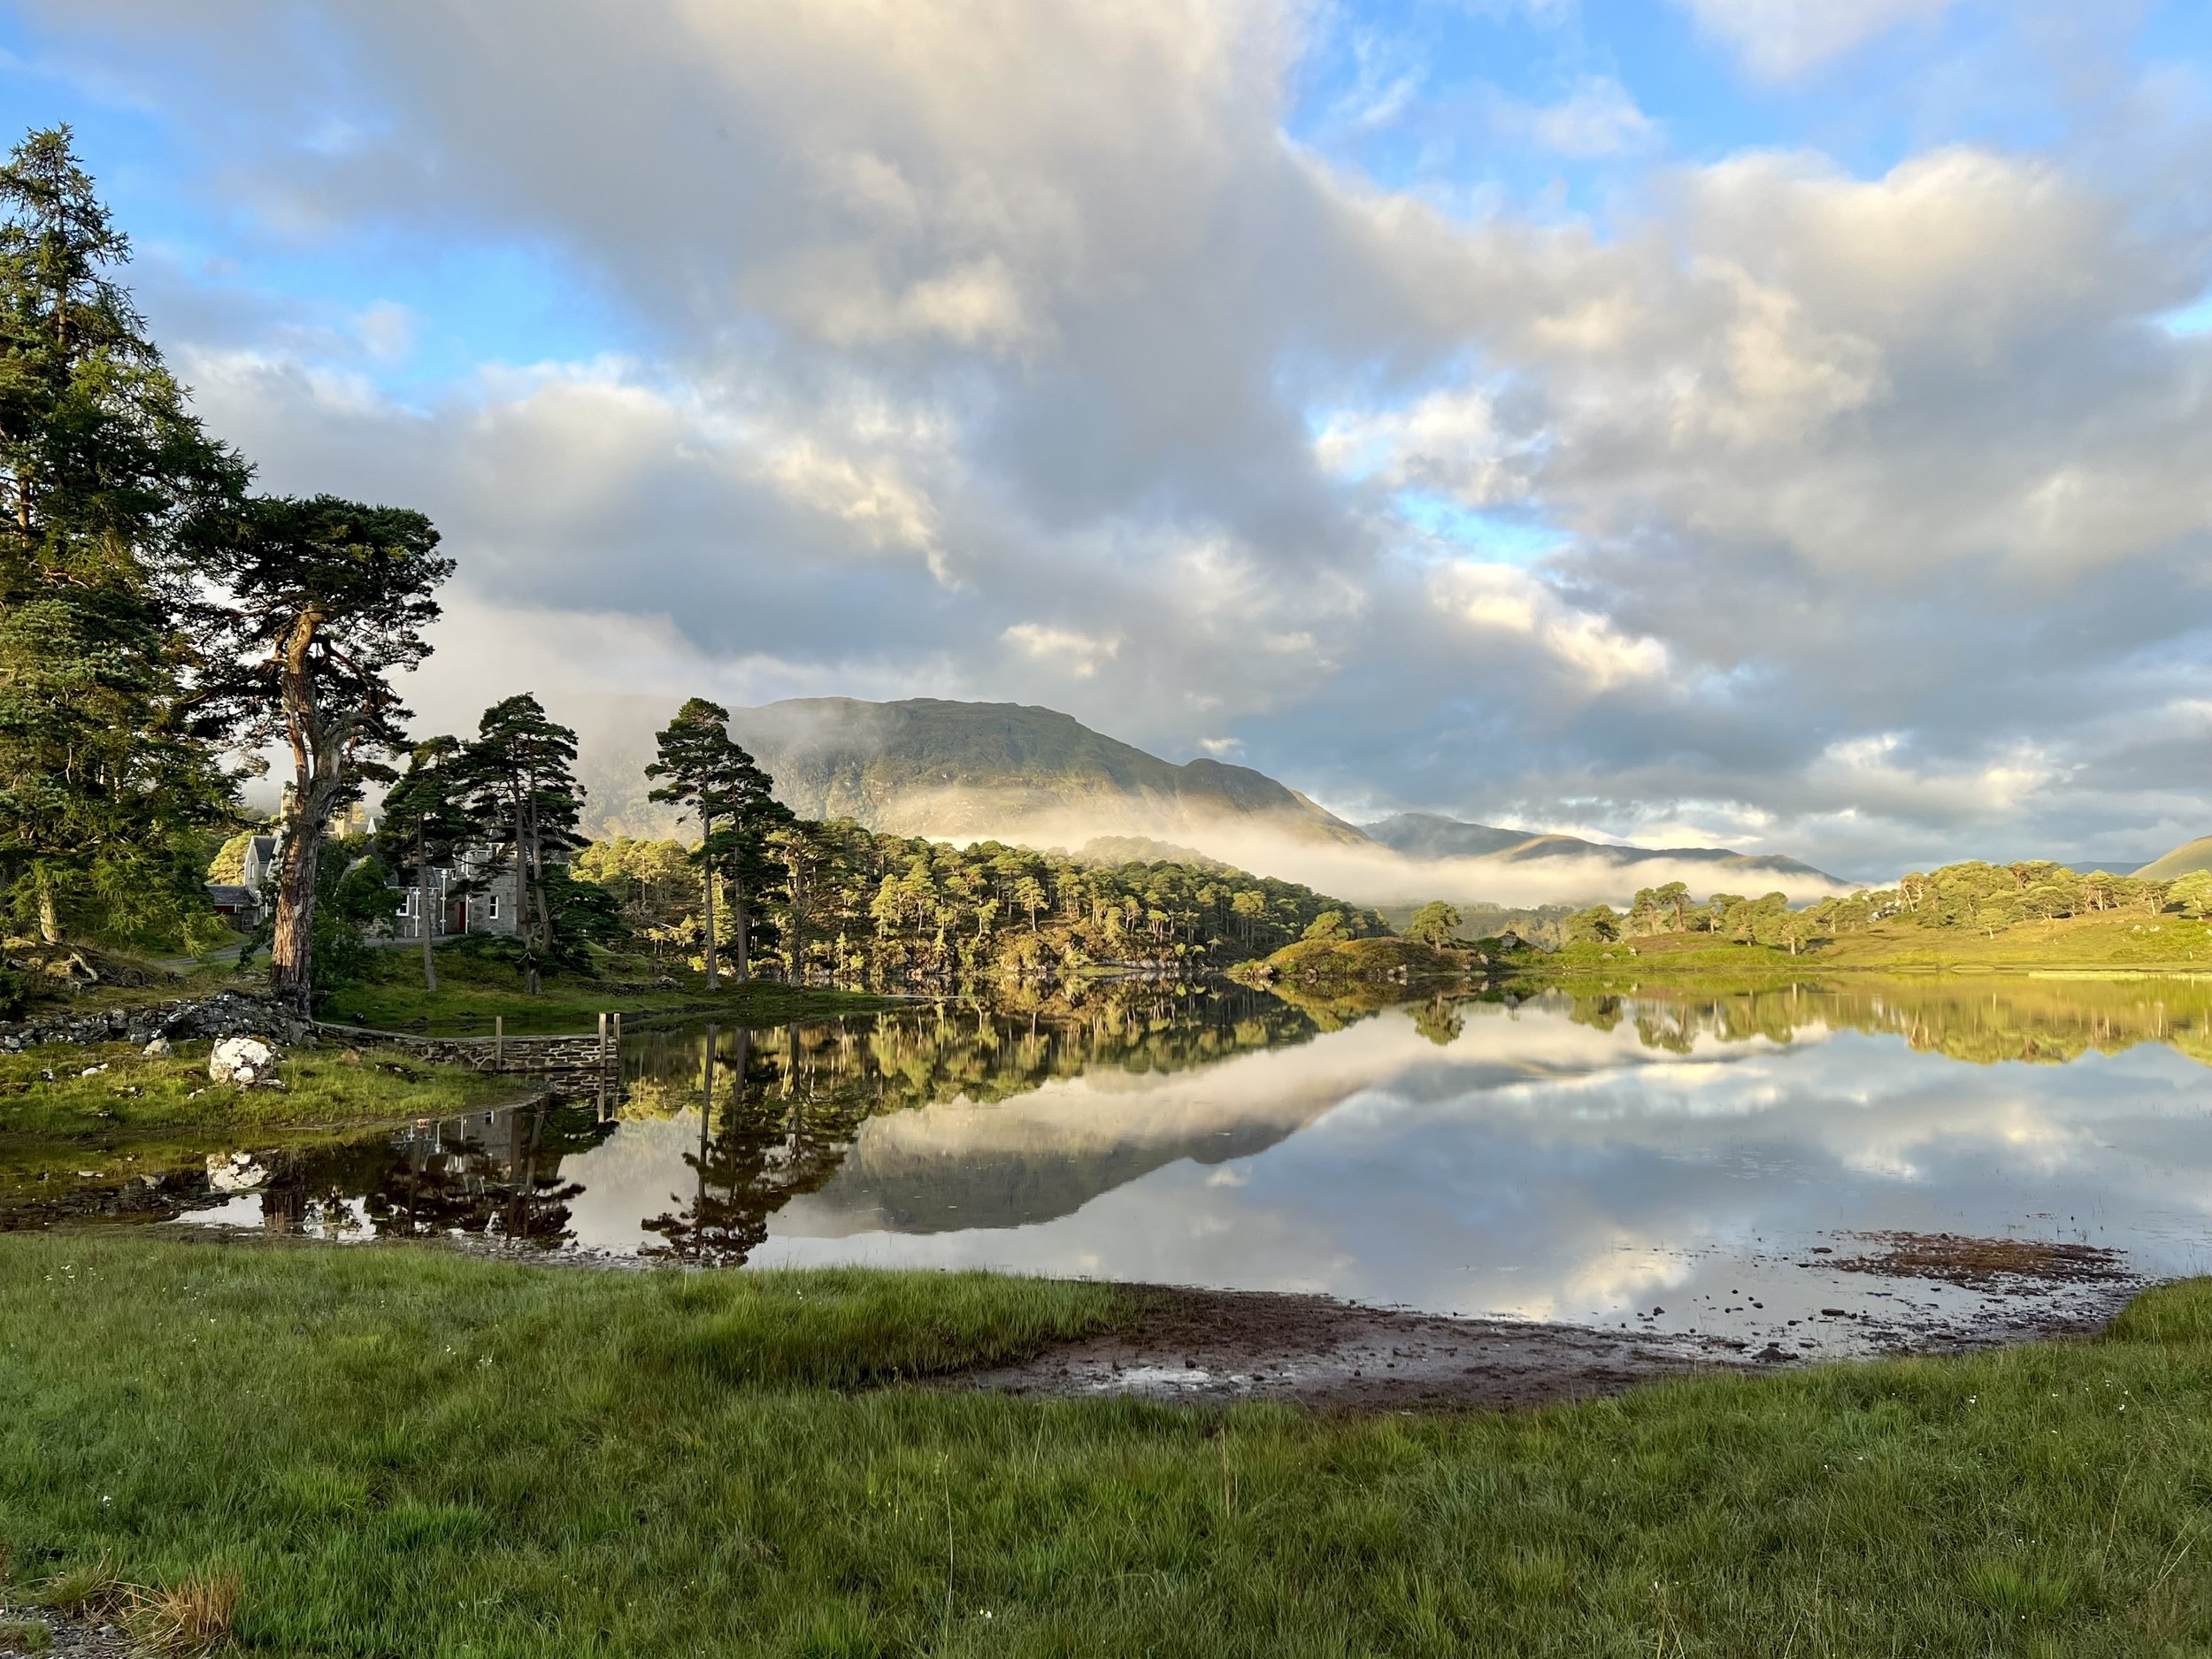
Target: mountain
<point>2196,855</point>
<point>1430,835</point>
<point>976,771</point>
<point>965,770</point>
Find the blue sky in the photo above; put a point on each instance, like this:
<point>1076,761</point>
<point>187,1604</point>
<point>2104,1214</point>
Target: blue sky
<point>1664,420</point>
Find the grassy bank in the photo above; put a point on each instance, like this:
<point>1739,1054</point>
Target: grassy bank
<point>2129,943</point>
<point>476,986</point>
<point>63,1091</point>
<point>395,1451</point>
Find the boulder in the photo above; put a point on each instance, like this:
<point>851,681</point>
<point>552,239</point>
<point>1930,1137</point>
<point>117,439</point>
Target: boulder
<point>244,1062</point>
<point>234,1173</point>
<point>158,1049</point>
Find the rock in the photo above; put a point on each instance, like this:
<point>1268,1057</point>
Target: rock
<point>158,1049</point>
<point>242,1061</point>
<point>234,1173</point>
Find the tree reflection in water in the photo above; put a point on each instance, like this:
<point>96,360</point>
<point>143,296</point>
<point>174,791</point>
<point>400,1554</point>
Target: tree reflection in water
<point>780,1128</point>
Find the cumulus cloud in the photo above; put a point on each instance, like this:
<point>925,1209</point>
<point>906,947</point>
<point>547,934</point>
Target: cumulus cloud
<point>1022,351</point>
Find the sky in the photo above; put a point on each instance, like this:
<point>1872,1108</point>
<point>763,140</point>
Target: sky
<point>1776,424</point>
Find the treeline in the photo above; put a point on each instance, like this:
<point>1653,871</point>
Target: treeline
<point>836,904</point>
<point>1973,895</point>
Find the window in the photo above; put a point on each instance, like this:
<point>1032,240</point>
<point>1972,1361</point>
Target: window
<point>494,911</point>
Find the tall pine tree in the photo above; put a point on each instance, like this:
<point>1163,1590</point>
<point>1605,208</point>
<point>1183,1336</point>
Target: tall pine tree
<point>706,770</point>
<point>522,774</point>
<point>426,822</point>
<point>325,601</point>
<point>104,799</point>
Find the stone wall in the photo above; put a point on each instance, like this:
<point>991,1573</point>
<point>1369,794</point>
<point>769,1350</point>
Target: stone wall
<point>528,1056</point>
<point>225,1014</point>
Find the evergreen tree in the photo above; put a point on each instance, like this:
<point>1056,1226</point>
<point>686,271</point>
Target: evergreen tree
<point>522,783</point>
<point>426,822</point>
<point>707,770</point>
<point>104,803</point>
<point>1435,925</point>
<point>326,599</point>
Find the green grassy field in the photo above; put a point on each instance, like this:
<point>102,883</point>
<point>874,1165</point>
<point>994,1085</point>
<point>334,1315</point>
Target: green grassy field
<point>475,987</point>
<point>391,1451</point>
<point>63,1091</point>
<point>2128,943</point>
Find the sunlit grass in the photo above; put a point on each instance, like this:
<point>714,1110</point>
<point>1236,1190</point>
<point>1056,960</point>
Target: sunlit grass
<point>69,1090</point>
<point>476,985</point>
<point>396,1451</point>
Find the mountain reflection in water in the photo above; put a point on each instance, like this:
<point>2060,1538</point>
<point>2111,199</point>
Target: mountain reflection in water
<point>1595,1158</point>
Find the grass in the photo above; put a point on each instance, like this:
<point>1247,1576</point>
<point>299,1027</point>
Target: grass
<point>69,1091</point>
<point>2131,943</point>
<point>476,985</point>
<point>397,1451</point>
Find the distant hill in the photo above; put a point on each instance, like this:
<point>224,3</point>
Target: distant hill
<point>2196,855</point>
<point>960,770</point>
<point>971,771</point>
<point>1429,835</point>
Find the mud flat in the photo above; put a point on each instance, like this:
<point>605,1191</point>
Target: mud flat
<point>1216,1346</point>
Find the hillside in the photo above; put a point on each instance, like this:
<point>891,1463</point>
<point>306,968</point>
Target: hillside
<point>1034,776</point>
<point>1430,835</point>
<point>958,770</point>
<point>2196,855</point>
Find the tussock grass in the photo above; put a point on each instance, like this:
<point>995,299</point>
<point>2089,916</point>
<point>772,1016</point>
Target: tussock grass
<point>188,1620</point>
<point>24,1636</point>
<point>111,1089</point>
<point>396,1451</point>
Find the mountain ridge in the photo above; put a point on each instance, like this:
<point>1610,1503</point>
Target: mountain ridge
<point>931,766</point>
<point>1434,835</point>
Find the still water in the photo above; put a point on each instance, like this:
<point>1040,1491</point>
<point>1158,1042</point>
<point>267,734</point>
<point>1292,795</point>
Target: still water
<point>1674,1163</point>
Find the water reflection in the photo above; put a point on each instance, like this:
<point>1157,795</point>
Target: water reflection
<point>1666,1161</point>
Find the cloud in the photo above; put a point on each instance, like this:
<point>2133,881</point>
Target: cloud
<point>1781,39</point>
<point>1039,352</point>
<point>1597,119</point>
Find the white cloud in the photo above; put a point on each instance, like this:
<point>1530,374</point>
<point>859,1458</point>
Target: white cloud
<point>1780,39</point>
<point>1500,600</point>
<point>1596,120</point>
<point>1077,654</point>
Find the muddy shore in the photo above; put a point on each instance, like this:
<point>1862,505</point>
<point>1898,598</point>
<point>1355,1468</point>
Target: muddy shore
<point>1179,1344</point>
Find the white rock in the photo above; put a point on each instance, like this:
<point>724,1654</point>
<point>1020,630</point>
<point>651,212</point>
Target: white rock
<point>158,1049</point>
<point>242,1061</point>
<point>234,1172</point>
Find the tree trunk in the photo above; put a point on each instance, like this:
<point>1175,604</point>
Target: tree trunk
<point>522,900</point>
<point>422,904</point>
<point>742,927</point>
<point>706,859</point>
<point>48,921</point>
<point>319,774</point>
<point>545,923</point>
<point>292,940</point>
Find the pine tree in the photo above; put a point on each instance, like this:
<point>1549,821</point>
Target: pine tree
<point>103,800</point>
<point>707,770</point>
<point>326,599</point>
<point>426,822</point>
<point>521,769</point>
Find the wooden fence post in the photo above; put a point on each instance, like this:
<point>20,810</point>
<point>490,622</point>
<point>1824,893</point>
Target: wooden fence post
<point>499,1042</point>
